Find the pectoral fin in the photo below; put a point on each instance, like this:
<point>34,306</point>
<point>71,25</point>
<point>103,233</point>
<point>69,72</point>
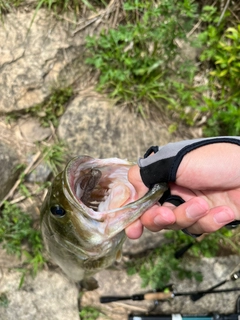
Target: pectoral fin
<point>88,284</point>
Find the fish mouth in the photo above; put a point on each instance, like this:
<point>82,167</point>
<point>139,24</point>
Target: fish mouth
<point>99,184</point>
<point>100,189</point>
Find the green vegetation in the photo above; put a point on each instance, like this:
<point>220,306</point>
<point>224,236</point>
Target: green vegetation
<point>50,110</point>
<point>60,5</point>
<point>54,156</point>
<point>7,5</point>
<point>89,313</point>
<point>18,237</point>
<point>141,64</point>
<point>3,300</point>
<point>57,6</point>
<point>156,270</point>
<point>138,60</point>
<point>223,51</point>
<point>19,231</point>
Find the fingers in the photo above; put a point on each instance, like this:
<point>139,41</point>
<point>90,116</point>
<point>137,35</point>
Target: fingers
<point>154,219</point>
<point>215,219</point>
<point>170,217</point>
<point>193,215</point>
<point>135,230</point>
<point>189,212</point>
<point>158,218</point>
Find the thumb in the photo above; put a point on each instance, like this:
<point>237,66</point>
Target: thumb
<point>135,179</point>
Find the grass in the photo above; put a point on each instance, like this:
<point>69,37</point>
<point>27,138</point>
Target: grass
<point>19,231</point>
<point>4,302</point>
<point>89,313</point>
<point>54,156</point>
<point>57,6</point>
<point>136,59</point>
<point>53,107</point>
<point>7,5</point>
<point>140,63</point>
<point>19,237</point>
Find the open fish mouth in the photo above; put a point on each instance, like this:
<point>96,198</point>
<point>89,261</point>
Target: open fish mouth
<point>99,190</point>
<point>88,189</point>
<point>100,184</point>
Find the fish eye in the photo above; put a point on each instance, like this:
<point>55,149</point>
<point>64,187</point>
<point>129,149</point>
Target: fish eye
<point>58,211</point>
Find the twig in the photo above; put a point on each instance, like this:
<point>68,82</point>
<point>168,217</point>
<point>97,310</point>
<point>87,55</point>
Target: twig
<point>86,25</point>
<point>224,10</point>
<point>20,199</point>
<point>97,16</point>
<point>115,18</point>
<point>233,13</point>
<point>17,183</point>
<point>194,28</point>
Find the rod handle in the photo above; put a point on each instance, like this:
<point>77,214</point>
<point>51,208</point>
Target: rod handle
<point>158,295</point>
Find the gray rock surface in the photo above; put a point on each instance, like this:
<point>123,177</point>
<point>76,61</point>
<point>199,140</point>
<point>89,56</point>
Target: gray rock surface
<point>31,130</point>
<point>9,160</point>
<point>50,296</point>
<point>148,240</point>
<point>93,126</point>
<point>34,60</point>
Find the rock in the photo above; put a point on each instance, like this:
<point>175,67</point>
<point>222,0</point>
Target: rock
<point>148,240</point>
<point>8,168</point>
<point>34,60</point>
<point>49,296</point>
<point>40,174</point>
<point>31,130</point>
<point>93,126</point>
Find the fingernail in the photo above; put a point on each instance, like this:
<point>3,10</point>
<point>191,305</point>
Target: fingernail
<point>164,219</point>
<point>157,221</point>
<point>223,217</point>
<point>195,211</point>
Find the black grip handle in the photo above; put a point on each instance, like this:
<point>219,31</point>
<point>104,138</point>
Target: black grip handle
<point>106,299</point>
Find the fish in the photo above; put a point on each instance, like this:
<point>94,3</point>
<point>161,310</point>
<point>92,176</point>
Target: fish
<point>85,212</point>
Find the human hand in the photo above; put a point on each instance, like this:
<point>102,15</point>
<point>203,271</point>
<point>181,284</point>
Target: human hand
<point>208,180</point>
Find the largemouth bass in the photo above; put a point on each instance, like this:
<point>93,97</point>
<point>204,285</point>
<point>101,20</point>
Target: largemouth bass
<point>86,211</point>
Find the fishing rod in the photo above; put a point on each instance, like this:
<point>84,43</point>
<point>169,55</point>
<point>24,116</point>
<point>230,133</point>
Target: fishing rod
<point>160,296</point>
<point>232,316</point>
<point>215,316</point>
<point>168,292</point>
